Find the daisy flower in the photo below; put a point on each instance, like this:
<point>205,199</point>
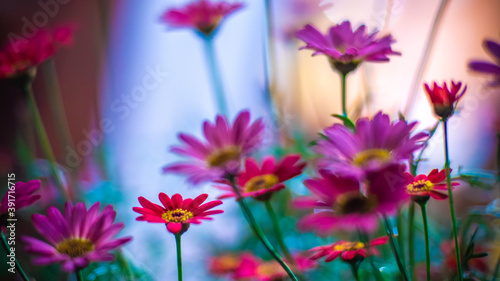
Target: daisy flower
<point>347,250</point>
<point>177,213</point>
<point>445,100</point>
<point>221,154</point>
<point>77,238</point>
<point>261,182</point>
<point>422,187</point>
<point>491,68</point>
<point>21,194</point>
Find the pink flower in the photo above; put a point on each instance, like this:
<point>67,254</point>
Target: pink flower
<point>76,238</point>
<point>261,183</point>
<point>348,251</point>
<point>445,100</point>
<point>347,49</point>
<point>422,187</point>
<point>253,268</point>
<point>21,195</point>
<point>23,54</point>
<point>375,144</point>
<point>222,153</point>
<point>489,67</point>
<point>177,213</point>
<point>204,15</point>
<point>345,204</point>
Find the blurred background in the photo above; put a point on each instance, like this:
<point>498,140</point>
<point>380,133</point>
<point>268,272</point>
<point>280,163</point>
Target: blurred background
<point>147,82</point>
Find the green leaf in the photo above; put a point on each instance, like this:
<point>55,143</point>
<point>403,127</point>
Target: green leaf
<point>347,122</point>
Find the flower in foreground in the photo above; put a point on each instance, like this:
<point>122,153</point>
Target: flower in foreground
<point>261,182</point>
<point>223,150</point>
<point>21,55</point>
<point>77,238</point>
<point>347,250</point>
<point>375,144</point>
<point>489,67</point>
<point>21,195</point>
<point>422,187</point>
<point>346,48</point>
<point>204,15</point>
<point>343,204</point>
<point>254,268</point>
<point>177,213</point>
<point>445,100</point>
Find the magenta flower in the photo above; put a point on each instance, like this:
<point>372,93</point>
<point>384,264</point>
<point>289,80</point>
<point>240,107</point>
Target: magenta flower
<point>177,213</point>
<point>445,100</point>
<point>23,54</point>
<point>261,183</point>
<point>347,49</point>
<point>489,67</point>
<point>76,238</point>
<point>21,195</point>
<point>422,187</point>
<point>223,150</point>
<point>374,144</point>
<point>347,250</point>
<point>346,205</point>
<point>204,15</point>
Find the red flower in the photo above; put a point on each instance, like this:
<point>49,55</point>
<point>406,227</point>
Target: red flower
<point>422,187</point>
<point>261,183</point>
<point>177,213</point>
<point>205,16</point>
<point>443,99</point>
<point>348,251</point>
<point>21,55</point>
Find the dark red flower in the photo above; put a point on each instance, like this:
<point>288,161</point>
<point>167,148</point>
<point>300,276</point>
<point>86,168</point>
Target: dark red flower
<point>443,99</point>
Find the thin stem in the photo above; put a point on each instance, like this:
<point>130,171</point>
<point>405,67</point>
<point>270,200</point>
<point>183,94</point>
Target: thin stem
<point>179,256</point>
<point>5,246</point>
<point>450,196</point>
<point>79,276</point>
<point>215,73</point>
<point>426,234</point>
<point>258,231</point>
<point>432,131</point>
<point>399,225</point>
<point>343,78</point>
<point>43,138</point>
<point>354,269</point>
<point>390,234</point>
<point>277,230</point>
<point>411,240</point>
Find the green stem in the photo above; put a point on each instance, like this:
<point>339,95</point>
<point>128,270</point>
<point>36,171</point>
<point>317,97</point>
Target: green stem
<point>426,234</point>
<point>258,231</point>
<point>215,73</point>
<point>354,269</point>
<point>43,138</point>
<point>399,225</point>
<point>450,196</point>
<point>179,256</point>
<point>343,78</point>
<point>411,240</point>
<point>79,276</point>
<point>5,246</point>
<point>390,234</point>
<point>277,230</point>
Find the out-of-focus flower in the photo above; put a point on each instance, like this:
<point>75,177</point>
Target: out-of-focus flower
<point>375,144</point>
<point>450,260</point>
<point>261,183</point>
<point>22,55</point>
<point>77,238</point>
<point>204,15</point>
<point>345,48</point>
<point>253,268</point>
<point>294,14</point>
<point>445,100</point>
<point>177,213</point>
<point>347,250</point>
<point>21,194</point>
<point>422,187</point>
<point>222,153</point>
<point>224,264</point>
<point>489,67</point>
<point>345,205</point>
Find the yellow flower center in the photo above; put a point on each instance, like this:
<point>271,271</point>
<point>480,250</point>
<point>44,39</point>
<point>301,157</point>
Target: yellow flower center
<point>268,269</point>
<point>261,182</point>
<point>75,247</point>
<point>224,155</point>
<point>363,158</point>
<point>229,262</point>
<point>419,186</point>
<point>177,215</point>
<point>354,202</point>
<point>349,246</point>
